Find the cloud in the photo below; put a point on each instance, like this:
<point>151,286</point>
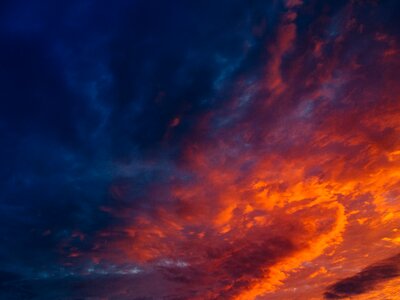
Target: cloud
<point>366,280</point>
<point>196,150</point>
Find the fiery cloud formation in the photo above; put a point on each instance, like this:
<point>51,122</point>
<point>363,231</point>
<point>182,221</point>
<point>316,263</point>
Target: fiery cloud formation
<point>274,174</point>
<point>291,169</point>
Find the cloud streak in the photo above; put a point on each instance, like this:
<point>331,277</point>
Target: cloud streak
<point>366,280</point>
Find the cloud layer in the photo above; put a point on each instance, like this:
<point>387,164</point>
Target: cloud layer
<point>230,150</point>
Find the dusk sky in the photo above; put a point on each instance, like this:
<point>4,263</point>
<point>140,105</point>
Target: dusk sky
<point>200,150</point>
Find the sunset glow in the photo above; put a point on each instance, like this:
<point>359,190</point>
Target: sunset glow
<point>257,157</point>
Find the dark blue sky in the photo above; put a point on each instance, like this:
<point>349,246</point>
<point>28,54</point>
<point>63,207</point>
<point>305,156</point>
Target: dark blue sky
<point>88,90</point>
<point>101,100</point>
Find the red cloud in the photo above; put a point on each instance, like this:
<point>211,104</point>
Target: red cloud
<point>282,180</point>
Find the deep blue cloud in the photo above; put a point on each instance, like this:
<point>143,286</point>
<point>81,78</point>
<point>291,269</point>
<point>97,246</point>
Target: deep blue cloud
<point>89,88</point>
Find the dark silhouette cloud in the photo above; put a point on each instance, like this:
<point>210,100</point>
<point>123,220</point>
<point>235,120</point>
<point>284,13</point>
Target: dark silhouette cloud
<point>366,280</point>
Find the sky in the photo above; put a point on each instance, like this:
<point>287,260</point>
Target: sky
<point>214,149</point>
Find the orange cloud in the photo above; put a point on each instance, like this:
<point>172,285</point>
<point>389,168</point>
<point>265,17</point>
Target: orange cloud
<point>306,177</point>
